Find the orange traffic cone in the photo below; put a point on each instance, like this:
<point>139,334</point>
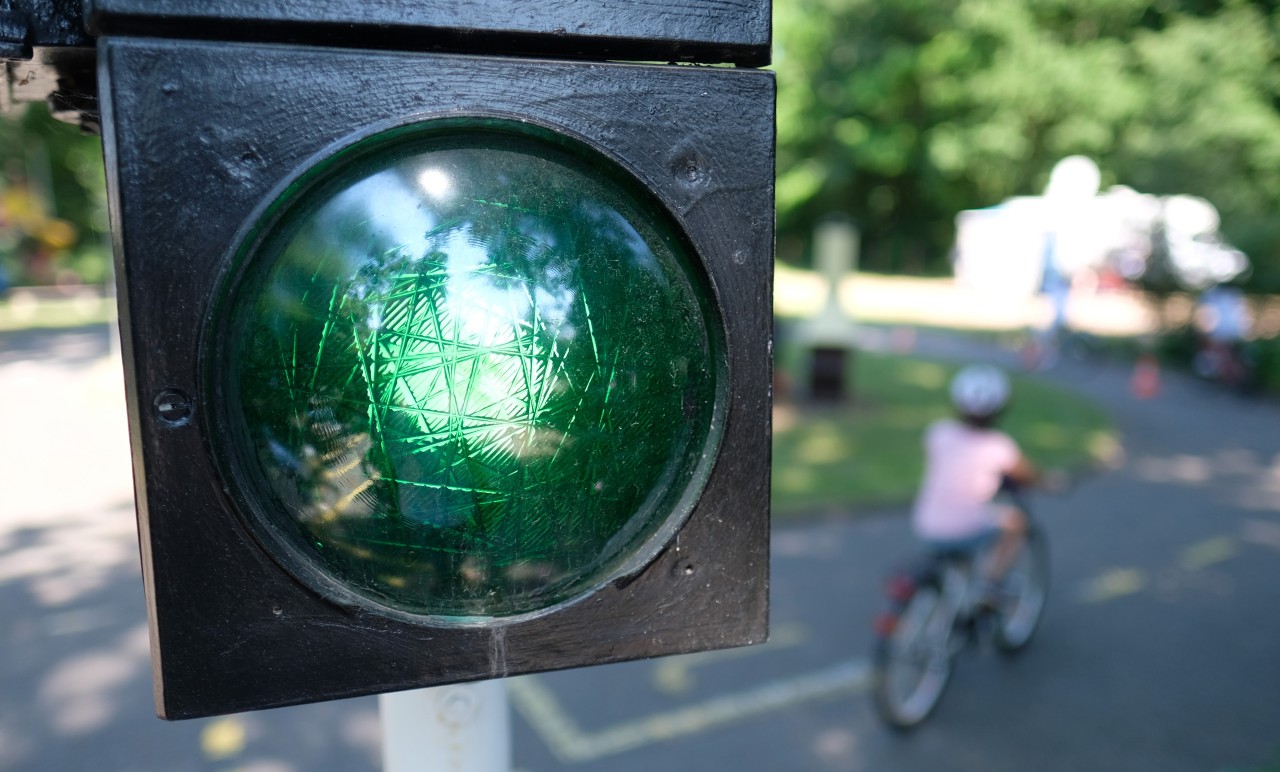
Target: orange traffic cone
<point>1145,383</point>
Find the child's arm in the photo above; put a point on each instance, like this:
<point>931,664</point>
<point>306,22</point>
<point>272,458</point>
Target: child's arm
<point>1024,472</point>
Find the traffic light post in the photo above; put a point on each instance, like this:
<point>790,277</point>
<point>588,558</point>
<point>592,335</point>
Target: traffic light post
<point>454,728</point>
<point>447,336</point>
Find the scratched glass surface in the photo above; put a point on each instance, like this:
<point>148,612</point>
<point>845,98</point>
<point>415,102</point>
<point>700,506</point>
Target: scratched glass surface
<point>474,372</point>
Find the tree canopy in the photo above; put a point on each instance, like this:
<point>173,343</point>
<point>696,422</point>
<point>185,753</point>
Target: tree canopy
<point>903,112</point>
<point>53,214</point>
<point>900,113</point>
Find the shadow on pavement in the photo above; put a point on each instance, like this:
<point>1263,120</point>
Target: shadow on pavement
<point>73,346</point>
<point>75,678</point>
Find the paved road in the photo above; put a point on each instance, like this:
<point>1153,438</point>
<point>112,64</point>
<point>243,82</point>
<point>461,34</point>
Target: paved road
<point>1159,651</point>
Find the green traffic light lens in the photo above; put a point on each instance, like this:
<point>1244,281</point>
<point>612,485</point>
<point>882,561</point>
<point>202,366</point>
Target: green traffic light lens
<point>468,368</point>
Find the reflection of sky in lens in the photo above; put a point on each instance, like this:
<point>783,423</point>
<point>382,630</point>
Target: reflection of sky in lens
<point>392,211</point>
<point>476,377</point>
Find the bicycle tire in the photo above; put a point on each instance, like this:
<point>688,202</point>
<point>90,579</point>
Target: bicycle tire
<point>925,612</point>
<point>1016,626</point>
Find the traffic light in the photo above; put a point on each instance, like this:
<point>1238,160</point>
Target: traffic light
<point>447,339</point>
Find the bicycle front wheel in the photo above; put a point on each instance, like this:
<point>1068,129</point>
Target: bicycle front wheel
<point>1026,591</point>
<point>912,663</point>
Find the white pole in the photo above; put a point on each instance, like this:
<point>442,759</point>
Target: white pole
<point>457,728</point>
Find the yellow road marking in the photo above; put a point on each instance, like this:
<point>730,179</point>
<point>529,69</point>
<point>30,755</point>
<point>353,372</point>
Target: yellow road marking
<point>223,738</point>
<point>538,705</point>
<point>1119,582</point>
<point>674,675</point>
<point>1208,552</point>
<point>1116,583</point>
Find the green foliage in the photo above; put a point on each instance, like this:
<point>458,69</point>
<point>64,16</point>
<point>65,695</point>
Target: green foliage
<point>53,212</point>
<point>1266,361</point>
<point>1178,346</point>
<point>903,113</point>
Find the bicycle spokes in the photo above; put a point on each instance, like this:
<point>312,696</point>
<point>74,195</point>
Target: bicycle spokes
<point>914,663</point>
<point>1023,599</point>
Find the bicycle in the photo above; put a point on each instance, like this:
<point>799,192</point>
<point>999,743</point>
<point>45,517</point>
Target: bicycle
<point>1232,364</point>
<point>938,609</point>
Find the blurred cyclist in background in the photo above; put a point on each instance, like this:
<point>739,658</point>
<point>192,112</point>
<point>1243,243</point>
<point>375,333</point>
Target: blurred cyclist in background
<point>967,461</point>
<point>1223,315</point>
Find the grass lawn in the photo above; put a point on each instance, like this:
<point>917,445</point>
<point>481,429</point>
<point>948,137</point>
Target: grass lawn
<point>22,309</point>
<point>866,456</point>
<point>848,459</point>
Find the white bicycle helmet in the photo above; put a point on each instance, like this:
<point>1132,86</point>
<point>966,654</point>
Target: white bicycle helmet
<point>980,391</point>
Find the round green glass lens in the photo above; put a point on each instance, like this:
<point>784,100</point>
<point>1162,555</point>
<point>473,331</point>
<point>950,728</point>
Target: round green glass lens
<point>471,370</point>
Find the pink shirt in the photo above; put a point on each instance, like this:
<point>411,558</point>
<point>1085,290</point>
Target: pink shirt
<point>962,473</point>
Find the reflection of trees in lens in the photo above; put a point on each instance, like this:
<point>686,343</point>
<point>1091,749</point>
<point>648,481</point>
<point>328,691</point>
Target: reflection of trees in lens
<point>476,413</point>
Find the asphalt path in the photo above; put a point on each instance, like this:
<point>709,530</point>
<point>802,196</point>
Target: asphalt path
<point>1158,651</point>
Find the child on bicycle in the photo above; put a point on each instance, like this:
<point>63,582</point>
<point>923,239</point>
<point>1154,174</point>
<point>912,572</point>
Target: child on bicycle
<point>967,461</point>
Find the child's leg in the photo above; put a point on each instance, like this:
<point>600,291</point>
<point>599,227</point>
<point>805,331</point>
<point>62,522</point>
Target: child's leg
<point>1013,529</point>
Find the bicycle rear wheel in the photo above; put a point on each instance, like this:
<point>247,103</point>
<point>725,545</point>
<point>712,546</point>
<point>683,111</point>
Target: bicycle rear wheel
<point>1026,591</point>
<point>912,664</point>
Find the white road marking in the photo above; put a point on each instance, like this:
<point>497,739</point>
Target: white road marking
<point>674,675</point>
<point>570,743</point>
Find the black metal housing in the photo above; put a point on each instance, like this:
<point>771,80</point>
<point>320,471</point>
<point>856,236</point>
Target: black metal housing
<point>33,23</point>
<point>47,55</point>
<point>197,135</point>
<point>711,31</point>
